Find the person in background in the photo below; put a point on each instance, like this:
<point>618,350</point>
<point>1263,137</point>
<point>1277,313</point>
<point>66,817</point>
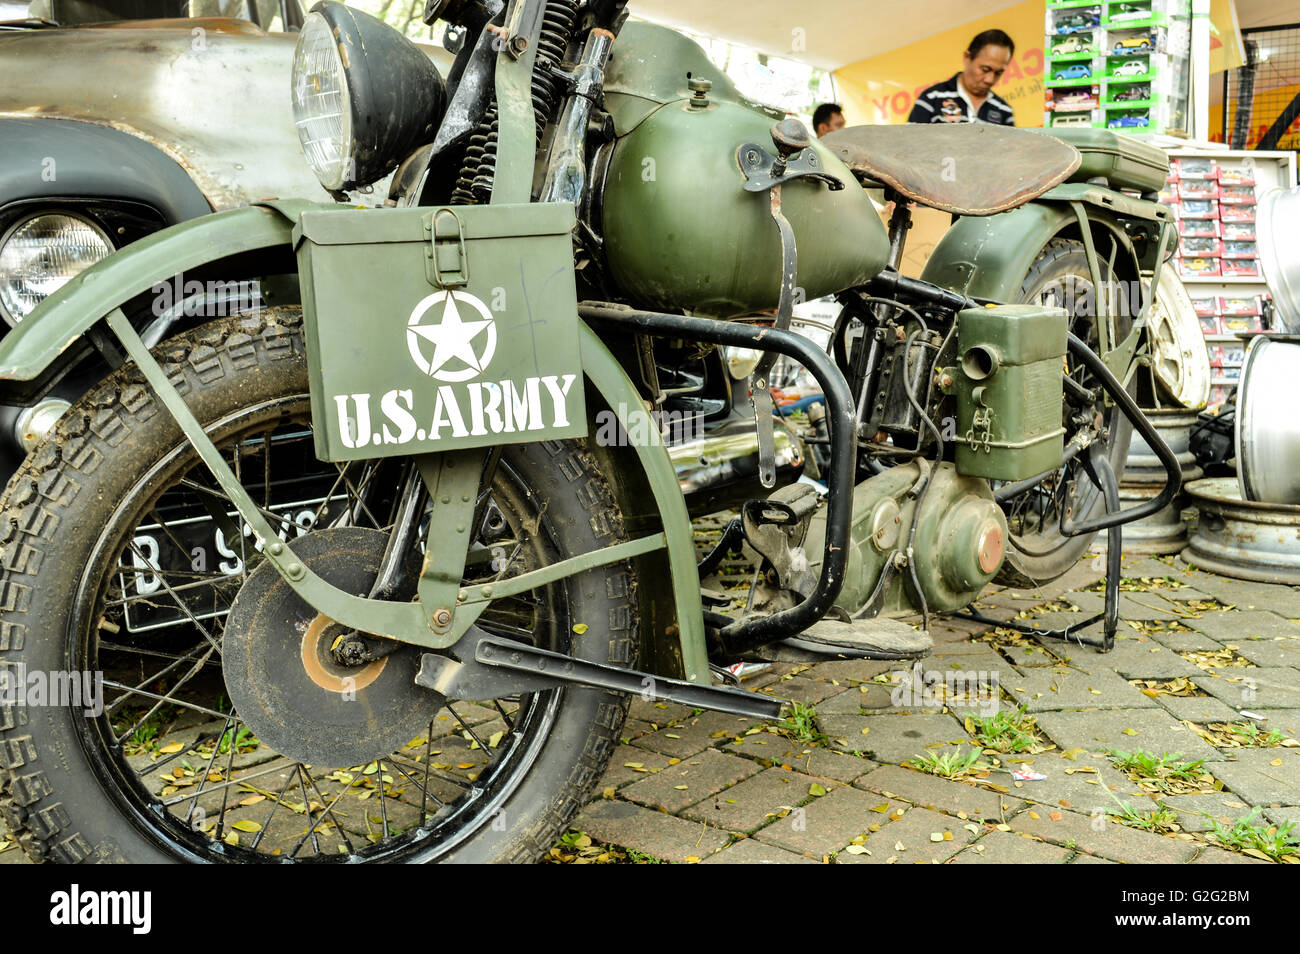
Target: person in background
<point>968,97</point>
<point>827,117</point>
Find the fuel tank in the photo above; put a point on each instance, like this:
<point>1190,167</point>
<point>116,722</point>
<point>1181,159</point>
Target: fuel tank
<point>680,230</point>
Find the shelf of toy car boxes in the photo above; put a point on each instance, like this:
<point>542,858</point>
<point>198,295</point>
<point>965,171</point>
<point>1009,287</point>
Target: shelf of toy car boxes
<point>1214,191</point>
<point>1088,83</point>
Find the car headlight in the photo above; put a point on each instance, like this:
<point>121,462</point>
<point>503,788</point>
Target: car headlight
<point>40,254</point>
<point>356,124</point>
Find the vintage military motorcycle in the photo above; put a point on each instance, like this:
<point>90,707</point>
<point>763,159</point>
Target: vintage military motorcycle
<point>373,573</point>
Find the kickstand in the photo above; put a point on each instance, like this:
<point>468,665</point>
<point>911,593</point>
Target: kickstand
<point>1102,475</point>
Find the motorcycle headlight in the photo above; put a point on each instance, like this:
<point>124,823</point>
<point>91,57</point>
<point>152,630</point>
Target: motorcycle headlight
<point>356,124</point>
<point>38,256</point>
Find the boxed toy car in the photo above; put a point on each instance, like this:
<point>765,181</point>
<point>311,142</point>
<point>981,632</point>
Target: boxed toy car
<point>1241,323</point>
<point>1240,267</point>
<point>1240,305</point>
<point>1210,325</point>
<point>1199,228</point>
<point>1198,189</point>
<point>1205,306</point>
<point>1236,194</point>
<point>1238,231</point>
<point>1240,250</point>
<point>1192,247</point>
<point>1198,208</point>
<point>1237,213</point>
<point>1198,267</point>
<point>1237,175</point>
<point>1188,167</point>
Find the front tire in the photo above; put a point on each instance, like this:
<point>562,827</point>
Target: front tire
<point>81,591</point>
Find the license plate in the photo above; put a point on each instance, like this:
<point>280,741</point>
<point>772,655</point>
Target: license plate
<point>195,545</point>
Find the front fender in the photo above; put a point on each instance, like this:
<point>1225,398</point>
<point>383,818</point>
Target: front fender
<point>59,321</point>
<point>989,257</point>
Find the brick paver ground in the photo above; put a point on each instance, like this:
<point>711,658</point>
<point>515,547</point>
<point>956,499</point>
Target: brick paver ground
<point>1196,651</point>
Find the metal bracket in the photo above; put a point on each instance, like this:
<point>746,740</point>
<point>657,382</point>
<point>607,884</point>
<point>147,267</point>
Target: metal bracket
<point>453,483</point>
<point>500,667</point>
<point>762,170</point>
<point>760,394</point>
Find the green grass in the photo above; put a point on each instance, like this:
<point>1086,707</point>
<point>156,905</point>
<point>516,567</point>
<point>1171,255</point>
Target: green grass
<point>1252,737</point>
<point>801,725</point>
<point>1157,821</point>
<point>1245,834</point>
<point>1009,731</point>
<point>950,764</point>
<point>1163,770</point>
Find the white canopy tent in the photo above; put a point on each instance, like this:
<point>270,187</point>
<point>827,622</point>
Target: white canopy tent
<point>830,34</point>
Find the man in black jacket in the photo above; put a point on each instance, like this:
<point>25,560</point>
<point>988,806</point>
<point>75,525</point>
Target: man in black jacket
<point>968,96</point>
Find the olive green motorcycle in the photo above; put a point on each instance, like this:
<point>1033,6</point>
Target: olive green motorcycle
<point>372,573</point>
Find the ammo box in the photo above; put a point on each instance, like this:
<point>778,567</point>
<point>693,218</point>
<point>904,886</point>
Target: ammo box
<point>433,329</point>
<point>1008,387</point>
<point>1123,162</point>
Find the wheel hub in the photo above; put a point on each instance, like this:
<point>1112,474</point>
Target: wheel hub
<point>284,680</point>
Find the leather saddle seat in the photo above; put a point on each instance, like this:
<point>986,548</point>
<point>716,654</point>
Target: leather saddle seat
<point>962,168</point>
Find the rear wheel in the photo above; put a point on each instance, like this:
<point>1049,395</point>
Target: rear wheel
<point>116,566</point>
<point>1037,551</point>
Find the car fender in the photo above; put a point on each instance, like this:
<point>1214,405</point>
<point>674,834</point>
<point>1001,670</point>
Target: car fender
<point>60,159</point>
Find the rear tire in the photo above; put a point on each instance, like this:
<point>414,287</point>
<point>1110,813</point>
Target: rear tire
<point>71,789</point>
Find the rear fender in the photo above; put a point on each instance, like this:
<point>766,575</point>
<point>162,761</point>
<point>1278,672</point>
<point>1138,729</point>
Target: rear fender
<point>989,257</point>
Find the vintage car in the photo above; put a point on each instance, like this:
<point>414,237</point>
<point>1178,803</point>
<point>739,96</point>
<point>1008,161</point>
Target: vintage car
<point>1071,45</point>
<point>1133,93</point>
<point>1129,121</point>
<point>117,119</point>
<point>1130,68</point>
<point>1080,20</point>
<point>1074,71</point>
<point>1128,13</point>
<point>1133,44</point>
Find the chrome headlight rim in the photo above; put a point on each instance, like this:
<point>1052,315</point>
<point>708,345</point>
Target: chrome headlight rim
<point>26,219</point>
<point>316,26</point>
<point>391,96</point>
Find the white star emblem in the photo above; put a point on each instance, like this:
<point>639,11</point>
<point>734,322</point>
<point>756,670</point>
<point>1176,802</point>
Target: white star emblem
<point>452,338</point>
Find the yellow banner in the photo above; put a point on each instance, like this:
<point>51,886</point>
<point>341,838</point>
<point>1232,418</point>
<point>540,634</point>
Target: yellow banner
<point>1225,37</point>
<point>883,88</point>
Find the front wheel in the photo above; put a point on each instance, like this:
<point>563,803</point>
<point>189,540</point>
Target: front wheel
<point>121,561</point>
<point>1037,551</point>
